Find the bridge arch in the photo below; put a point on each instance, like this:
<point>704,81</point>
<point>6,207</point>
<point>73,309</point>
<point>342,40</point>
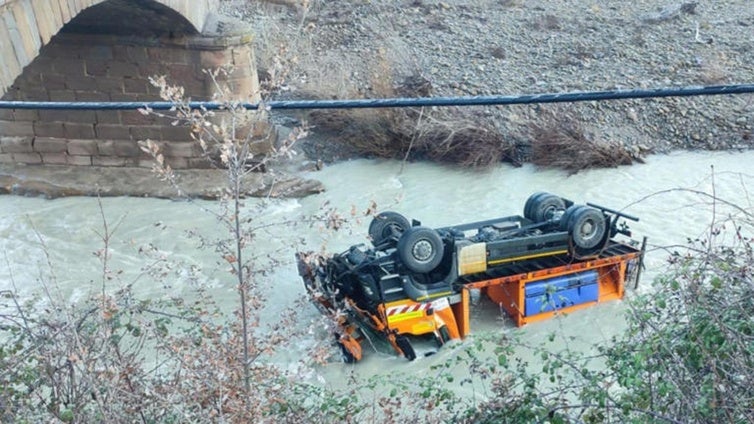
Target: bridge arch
<point>27,25</point>
<point>105,50</point>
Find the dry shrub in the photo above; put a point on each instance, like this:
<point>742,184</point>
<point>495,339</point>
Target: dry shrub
<point>559,140</point>
<point>713,69</point>
<point>369,131</point>
<point>458,136</point>
<point>449,135</point>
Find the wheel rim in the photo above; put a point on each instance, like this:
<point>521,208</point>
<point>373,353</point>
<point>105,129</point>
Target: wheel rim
<point>544,207</point>
<point>422,250</point>
<point>548,212</point>
<point>587,231</point>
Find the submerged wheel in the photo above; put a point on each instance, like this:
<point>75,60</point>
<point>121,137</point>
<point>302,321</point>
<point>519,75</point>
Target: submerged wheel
<point>544,206</point>
<point>420,249</point>
<point>386,225</point>
<point>405,346</point>
<point>587,227</point>
<point>443,336</point>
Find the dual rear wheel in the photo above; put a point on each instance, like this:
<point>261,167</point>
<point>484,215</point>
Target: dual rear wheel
<point>587,226</point>
<point>419,248</point>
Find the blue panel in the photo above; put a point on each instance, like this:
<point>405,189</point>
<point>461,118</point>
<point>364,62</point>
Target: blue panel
<point>560,292</point>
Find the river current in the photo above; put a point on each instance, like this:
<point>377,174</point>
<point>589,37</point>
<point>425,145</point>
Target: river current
<point>41,237</point>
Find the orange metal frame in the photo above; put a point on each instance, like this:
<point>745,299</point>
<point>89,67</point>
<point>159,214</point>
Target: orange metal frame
<point>509,291</point>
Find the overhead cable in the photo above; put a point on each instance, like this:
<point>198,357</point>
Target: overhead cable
<point>493,100</point>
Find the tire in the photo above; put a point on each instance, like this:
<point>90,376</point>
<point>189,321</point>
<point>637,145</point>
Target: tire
<point>443,336</point>
<point>405,346</point>
<point>386,225</point>
<point>420,249</point>
<point>529,202</point>
<point>544,206</point>
<point>587,227</point>
<point>566,217</point>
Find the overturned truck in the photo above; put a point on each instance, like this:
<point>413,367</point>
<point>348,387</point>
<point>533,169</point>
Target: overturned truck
<point>416,281</point>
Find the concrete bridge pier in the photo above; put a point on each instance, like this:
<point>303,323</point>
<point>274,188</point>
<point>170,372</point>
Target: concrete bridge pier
<point>106,52</point>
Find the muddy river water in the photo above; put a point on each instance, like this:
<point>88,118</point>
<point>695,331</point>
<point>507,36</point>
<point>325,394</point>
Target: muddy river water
<point>69,231</point>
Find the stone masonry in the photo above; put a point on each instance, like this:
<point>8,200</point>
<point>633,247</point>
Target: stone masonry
<point>80,66</point>
<point>27,25</point>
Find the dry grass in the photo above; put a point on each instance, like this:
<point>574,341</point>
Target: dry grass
<point>559,140</point>
<point>713,69</point>
<point>448,135</point>
<point>451,135</point>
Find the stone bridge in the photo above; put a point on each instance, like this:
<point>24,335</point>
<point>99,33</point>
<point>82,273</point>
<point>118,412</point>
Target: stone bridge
<point>105,50</point>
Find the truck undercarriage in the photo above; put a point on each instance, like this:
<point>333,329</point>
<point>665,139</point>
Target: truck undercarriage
<point>415,280</point>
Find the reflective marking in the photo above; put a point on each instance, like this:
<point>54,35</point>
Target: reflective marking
<point>518,258</point>
<point>391,319</point>
<point>427,296</point>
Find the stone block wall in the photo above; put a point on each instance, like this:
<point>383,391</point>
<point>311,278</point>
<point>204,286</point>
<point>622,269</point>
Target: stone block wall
<point>27,25</point>
<point>76,67</point>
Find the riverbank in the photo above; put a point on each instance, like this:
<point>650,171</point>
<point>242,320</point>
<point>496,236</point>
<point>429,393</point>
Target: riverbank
<point>346,49</point>
<point>62,181</point>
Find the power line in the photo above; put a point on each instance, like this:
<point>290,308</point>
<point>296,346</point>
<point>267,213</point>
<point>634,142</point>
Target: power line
<point>571,97</point>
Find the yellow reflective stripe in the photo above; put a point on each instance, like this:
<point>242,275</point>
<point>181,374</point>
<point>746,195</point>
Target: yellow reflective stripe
<point>402,317</point>
<point>518,258</point>
<point>427,296</point>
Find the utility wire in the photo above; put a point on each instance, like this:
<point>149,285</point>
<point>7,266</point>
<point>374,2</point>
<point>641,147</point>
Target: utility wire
<point>577,96</point>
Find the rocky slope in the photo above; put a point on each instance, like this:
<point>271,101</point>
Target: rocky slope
<point>488,47</point>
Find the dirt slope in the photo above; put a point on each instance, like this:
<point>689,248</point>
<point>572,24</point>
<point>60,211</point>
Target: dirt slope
<point>534,46</point>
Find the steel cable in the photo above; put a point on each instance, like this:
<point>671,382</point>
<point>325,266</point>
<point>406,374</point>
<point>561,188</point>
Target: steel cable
<point>495,100</point>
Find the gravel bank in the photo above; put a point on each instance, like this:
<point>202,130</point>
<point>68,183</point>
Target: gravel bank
<point>535,46</point>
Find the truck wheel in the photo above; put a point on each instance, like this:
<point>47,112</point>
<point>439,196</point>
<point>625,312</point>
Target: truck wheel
<point>587,227</point>
<point>566,217</point>
<point>386,225</point>
<point>356,256</point>
<point>405,346</point>
<point>420,249</point>
<point>543,208</point>
<point>443,336</point>
<point>530,201</point>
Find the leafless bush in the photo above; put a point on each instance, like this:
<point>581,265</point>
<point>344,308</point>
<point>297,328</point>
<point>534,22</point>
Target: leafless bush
<point>93,361</point>
<point>713,69</point>
<point>449,135</point>
<point>459,136</point>
<point>559,140</point>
